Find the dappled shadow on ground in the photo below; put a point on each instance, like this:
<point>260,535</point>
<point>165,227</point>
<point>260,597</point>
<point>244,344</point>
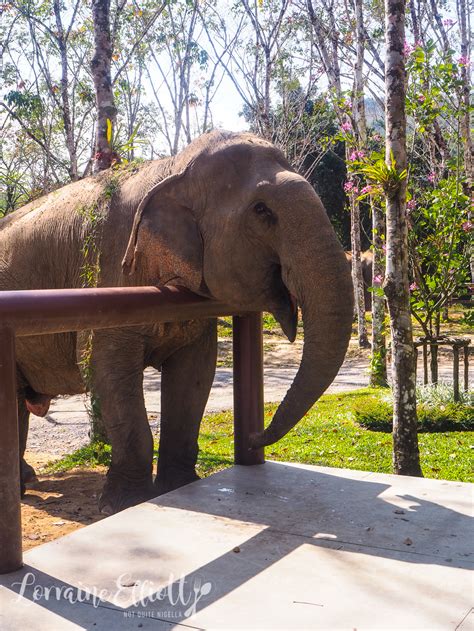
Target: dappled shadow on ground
<point>60,503</point>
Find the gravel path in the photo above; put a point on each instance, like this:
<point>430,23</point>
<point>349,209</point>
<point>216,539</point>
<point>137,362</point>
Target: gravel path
<point>66,426</point>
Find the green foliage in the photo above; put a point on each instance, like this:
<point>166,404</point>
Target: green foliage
<point>26,104</point>
<point>468,318</point>
<point>378,368</point>
<point>111,187</point>
<point>377,171</point>
<point>439,250</point>
<point>377,416</point>
<point>90,269</point>
<point>435,395</point>
<point>92,455</point>
<point>434,89</point>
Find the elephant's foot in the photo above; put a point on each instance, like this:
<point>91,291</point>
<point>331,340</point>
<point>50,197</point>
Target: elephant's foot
<point>172,478</point>
<point>119,493</point>
<point>27,473</point>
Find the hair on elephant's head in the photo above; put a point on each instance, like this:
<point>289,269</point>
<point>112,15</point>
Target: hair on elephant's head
<point>236,222</point>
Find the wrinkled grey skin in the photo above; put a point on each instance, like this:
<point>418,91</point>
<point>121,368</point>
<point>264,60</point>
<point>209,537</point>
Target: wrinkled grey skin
<point>227,218</point>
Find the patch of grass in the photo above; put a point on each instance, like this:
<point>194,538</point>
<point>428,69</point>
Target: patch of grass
<point>328,435</point>
<point>91,455</point>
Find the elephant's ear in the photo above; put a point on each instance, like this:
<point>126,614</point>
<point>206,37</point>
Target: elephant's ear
<point>166,235</point>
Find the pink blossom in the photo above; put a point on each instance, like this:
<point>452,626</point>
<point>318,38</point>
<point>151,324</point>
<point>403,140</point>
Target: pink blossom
<point>467,226</point>
<point>421,98</point>
<point>411,204</point>
<point>408,48</point>
<point>350,187</point>
<point>378,280</point>
<point>464,61</point>
<point>346,126</point>
<point>377,137</point>
<point>413,287</point>
<point>356,155</point>
<point>366,190</point>
<point>432,176</point>
<point>348,104</point>
<point>448,22</point>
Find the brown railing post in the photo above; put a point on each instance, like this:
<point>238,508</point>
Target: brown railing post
<point>10,513</point>
<point>248,386</point>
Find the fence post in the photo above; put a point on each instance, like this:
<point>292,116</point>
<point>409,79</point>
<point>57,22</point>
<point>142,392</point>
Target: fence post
<point>466,366</point>
<point>10,513</point>
<point>248,386</point>
<point>456,372</point>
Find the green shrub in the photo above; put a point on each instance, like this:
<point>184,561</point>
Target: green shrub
<point>468,317</point>
<point>376,415</point>
<point>435,395</point>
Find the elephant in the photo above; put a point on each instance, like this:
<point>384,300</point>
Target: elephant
<point>366,259</point>
<point>227,218</point>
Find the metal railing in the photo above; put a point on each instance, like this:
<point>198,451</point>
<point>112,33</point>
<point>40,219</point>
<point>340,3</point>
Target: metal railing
<point>42,312</point>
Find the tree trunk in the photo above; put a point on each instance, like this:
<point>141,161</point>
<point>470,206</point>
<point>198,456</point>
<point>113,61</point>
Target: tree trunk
<point>361,135</point>
<point>101,72</point>
<point>378,367</point>
<point>357,277</point>
<point>66,108</point>
<point>468,144</point>
<point>406,459</point>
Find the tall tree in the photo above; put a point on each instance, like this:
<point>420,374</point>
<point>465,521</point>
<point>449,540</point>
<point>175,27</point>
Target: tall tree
<point>378,366</point>
<point>465,33</point>
<point>329,44</point>
<point>360,127</point>
<point>405,438</point>
<point>101,71</point>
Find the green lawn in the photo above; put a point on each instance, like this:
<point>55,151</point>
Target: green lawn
<point>329,436</point>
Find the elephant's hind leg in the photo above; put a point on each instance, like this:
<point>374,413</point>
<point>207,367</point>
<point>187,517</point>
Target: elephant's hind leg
<point>27,473</point>
<point>186,381</point>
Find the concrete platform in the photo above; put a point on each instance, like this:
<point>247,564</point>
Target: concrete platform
<point>268,547</point>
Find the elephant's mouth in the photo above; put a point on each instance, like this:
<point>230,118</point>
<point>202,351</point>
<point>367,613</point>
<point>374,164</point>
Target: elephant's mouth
<point>285,308</point>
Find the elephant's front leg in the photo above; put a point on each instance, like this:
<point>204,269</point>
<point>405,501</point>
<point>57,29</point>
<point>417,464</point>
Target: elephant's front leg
<point>117,382</point>
<point>186,381</point>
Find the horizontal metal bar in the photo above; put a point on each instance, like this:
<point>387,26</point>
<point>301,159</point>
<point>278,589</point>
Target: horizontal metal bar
<point>46,311</point>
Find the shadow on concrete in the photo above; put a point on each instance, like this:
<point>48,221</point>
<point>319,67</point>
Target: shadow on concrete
<point>292,506</point>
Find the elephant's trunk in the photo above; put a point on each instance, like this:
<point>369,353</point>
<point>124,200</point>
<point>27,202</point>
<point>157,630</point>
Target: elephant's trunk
<point>315,269</point>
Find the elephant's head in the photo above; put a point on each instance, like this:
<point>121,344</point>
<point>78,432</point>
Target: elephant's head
<point>236,222</point>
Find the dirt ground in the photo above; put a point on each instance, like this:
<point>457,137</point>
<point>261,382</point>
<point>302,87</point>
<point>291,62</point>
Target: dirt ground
<point>59,503</point>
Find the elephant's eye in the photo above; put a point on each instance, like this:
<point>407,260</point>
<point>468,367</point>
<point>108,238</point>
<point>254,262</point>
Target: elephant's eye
<point>265,213</point>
